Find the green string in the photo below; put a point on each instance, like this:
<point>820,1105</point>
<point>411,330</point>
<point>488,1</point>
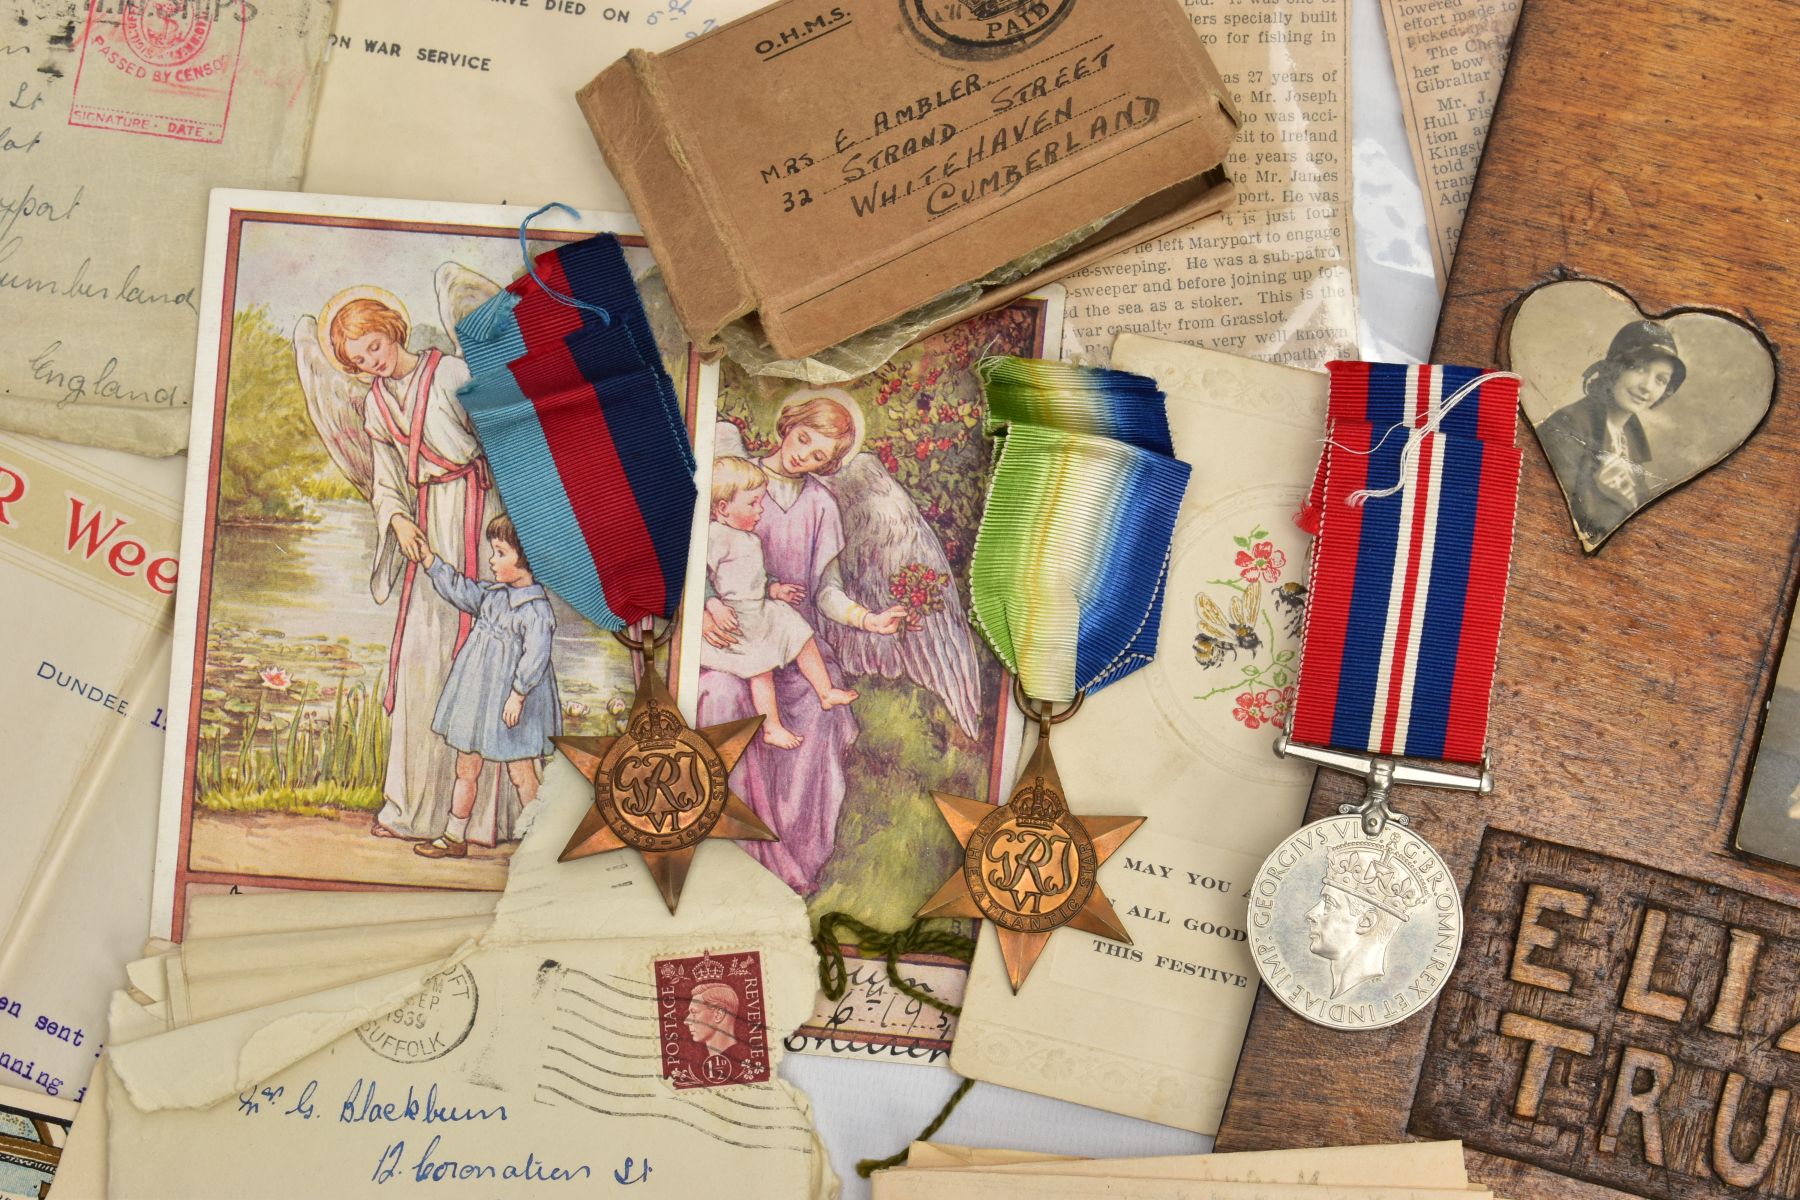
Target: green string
<point>917,938</point>
<point>869,1166</point>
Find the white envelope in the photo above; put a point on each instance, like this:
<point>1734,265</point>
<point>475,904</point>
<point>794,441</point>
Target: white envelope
<point>120,117</point>
<point>1408,1171</point>
<point>535,1056</point>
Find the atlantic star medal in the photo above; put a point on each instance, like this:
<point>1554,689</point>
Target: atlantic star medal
<point>661,788</point>
<point>1030,865</point>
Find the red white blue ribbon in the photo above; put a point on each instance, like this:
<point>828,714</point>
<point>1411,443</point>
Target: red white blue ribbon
<point>1413,509</point>
<point>584,432</point>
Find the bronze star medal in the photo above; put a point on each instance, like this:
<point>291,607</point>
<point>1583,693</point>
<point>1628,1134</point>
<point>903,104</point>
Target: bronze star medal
<point>1030,865</point>
<point>661,788</point>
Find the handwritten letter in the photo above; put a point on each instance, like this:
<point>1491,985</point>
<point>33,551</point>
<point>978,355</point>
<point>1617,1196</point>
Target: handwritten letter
<point>114,125</point>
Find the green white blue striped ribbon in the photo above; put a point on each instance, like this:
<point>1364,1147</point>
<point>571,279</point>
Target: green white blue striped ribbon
<point>1067,577</point>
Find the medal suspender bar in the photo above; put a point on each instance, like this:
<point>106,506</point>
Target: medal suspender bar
<point>1412,508</point>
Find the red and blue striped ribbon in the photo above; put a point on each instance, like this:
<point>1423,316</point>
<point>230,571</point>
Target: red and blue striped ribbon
<point>1408,590</point>
<point>584,433</point>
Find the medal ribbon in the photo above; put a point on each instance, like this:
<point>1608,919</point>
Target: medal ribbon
<point>1412,506</point>
<point>1067,576</point>
<point>584,433</point>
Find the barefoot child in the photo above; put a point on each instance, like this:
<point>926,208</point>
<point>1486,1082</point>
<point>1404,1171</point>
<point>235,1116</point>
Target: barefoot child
<point>772,634</point>
<point>499,703</point>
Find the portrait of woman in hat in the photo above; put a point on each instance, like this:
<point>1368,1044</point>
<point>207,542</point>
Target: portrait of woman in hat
<point>1597,444</point>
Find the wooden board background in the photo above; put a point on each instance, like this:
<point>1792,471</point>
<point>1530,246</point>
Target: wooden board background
<point>1652,146</point>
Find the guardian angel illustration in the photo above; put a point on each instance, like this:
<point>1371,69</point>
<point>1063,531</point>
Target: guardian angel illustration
<point>868,574</point>
<point>385,407</point>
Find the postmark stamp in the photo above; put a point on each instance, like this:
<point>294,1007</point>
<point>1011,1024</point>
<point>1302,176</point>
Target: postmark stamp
<point>162,68</point>
<point>431,1024</point>
<point>976,29</point>
<point>711,1023</point>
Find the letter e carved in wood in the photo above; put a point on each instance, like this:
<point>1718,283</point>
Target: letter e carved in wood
<point>1629,1027</point>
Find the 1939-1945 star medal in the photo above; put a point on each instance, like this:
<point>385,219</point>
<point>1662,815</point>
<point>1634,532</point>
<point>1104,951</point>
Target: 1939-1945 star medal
<point>1030,865</point>
<point>661,788</point>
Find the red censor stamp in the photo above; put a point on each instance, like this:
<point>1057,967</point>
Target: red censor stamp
<point>165,68</point>
<point>710,1021</point>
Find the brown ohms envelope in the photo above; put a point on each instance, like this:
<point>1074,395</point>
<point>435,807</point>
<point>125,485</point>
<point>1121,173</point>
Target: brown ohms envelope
<point>830,167</point>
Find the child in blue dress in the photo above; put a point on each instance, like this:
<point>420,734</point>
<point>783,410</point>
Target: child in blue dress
<point>499,703</point>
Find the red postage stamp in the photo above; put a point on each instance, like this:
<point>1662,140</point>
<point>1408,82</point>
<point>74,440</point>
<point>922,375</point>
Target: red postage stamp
<point>710,1020</point>
<point>165,68</point>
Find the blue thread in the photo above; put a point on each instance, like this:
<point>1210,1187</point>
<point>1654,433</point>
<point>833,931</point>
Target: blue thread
<point>531,264</point>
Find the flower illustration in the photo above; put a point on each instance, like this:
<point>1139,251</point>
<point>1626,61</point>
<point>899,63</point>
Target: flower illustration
<point>275,679</point>
<point>1283,701</point>
<point>1255,709</point>
<point>920,588</point>
<point>1261,562</point>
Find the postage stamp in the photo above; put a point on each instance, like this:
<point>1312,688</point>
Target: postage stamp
<point>710,1021</point>
<point>163,68</point>
<point>431,1024</point>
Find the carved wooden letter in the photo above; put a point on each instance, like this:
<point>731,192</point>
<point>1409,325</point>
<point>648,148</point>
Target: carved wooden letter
<point>1539,897</point>
<point>1546,1039</point>
<point>1638,996</point>
<point>1626,1099</point>
<point>1699,1099</point>
<point>1730,1167</point>
<point>1734,988</point>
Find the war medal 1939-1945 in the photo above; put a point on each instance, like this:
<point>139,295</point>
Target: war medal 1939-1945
<point>1355,921</point>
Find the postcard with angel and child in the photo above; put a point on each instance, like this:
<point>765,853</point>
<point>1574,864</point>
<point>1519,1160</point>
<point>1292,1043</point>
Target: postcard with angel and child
<point>340,513</point>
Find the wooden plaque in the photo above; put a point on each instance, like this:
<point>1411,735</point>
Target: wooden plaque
<point>1623,1017</point>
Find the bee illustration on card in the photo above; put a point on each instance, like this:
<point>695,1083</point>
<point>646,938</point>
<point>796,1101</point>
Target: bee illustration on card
<point>1222,632</point>
<point>1290,600</point>
<point>1251,617</point>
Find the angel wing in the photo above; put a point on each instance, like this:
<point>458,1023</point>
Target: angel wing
<point>728,441</point>
<point>883,534</point>
<point>460,292</point>
<point>1246,608</point>
<point>334,401</point>
<point>1212,621</point>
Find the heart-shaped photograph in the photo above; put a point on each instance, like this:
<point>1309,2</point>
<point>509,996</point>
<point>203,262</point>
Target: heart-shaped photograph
<point>1628,407</point>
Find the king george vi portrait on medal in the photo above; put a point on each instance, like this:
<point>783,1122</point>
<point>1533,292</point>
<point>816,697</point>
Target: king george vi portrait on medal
<point>1367,896</point>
